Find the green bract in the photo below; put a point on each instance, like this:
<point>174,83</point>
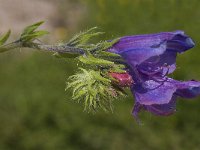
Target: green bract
<point>93,90</point>
<point>91,85</point>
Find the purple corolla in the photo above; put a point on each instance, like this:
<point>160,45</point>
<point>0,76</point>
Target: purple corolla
<point>150,58</point>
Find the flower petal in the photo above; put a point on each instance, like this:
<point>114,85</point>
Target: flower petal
<point>152,92</point>
<point>161,99</point>
<point>136,109</point>
<point>164,109</point>
<point>163,64</point>
<point>142,41</point>
<point>134,57</point>
<point>188,89</point>
<point>180,43</point>
<point>137,49</point>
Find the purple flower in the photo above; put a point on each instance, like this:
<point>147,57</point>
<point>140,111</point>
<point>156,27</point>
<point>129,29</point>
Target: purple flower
<point>150,58</point>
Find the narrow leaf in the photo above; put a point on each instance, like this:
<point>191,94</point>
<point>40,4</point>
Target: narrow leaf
<point>31,28</point>
<point>4,38</point>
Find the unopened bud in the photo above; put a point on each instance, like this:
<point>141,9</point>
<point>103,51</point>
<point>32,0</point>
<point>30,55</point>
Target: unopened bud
<point>123,79</point>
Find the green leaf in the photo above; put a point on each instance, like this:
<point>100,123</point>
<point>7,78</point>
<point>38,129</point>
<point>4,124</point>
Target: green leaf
<point>34,35</point>
<point>80,40</point>
<point>85,38</point>
<point>107,44</point>
<point>100,78</point>
<point>90,60</point>
<point>109,54</point>
<point>29,34</point>
<point>77,37</point>
<point>31,28</point>
<point>65,55</point>
<point>5,37</point>
<point>79,94</point>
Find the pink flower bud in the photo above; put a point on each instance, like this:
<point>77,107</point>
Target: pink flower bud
<point>123,79</point>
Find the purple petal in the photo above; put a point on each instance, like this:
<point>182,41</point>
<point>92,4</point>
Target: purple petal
<point>160,99</point>
<point>153,92</point>
<point>137,49</point>
<point>142,41</point>
<point>134,57</point>
<point>180,43</point>
<point>188,89</point>
<point>163,64</point>
<point>136,109</point>
<point>164,109</point>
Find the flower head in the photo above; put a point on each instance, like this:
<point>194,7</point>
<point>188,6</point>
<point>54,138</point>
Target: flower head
<point>150,58</point>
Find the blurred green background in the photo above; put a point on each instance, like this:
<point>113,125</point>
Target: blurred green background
<point>37,114</point>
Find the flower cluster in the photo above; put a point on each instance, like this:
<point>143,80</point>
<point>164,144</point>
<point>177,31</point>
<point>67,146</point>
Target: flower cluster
<point>149,59</point>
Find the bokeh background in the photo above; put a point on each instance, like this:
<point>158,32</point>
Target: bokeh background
<point>37,114</point>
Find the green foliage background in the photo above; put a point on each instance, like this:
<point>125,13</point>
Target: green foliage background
<point>36,112</point>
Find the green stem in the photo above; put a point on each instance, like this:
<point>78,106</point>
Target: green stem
<point>10,46</point>
<point>57,48</point>
<point>43,47</point>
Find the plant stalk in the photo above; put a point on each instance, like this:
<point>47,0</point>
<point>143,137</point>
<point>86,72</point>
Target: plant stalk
<point>43,47</point>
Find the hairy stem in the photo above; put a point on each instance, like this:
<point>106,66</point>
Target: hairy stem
<point>43,47</point>
<point>57,48</point>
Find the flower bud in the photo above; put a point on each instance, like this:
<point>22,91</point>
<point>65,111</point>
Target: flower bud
<point>122,79</point>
